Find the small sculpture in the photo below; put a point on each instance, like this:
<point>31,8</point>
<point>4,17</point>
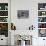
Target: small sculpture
<point>31,27</point>
<point>13,27</point>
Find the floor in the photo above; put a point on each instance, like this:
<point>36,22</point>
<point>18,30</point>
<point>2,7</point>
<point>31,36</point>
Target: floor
<point>3,45</point>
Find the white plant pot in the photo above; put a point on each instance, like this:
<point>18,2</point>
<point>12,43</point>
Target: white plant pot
<point>22,43</point>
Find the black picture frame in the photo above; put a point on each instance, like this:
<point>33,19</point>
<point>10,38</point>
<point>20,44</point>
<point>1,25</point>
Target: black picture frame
<point>22,14</point>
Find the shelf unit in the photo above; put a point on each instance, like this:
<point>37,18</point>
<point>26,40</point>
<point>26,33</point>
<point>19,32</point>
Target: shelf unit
<point>42,19</point>
<point>4,19</point>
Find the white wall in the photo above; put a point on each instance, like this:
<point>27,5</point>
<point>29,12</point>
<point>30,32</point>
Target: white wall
<point>23,24</point>
<point>32,6</point>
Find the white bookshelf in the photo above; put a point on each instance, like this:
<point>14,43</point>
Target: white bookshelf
<point>4,12</point>
<point>42,13</point>
<point>42,18</point>
<point>4,18</point>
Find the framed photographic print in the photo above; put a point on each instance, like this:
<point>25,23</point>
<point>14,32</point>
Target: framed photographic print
<point>21,14</point>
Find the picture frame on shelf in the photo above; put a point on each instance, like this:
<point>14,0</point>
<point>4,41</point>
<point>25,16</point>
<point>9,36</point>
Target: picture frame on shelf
<point>41,19</point>
<point>41,25</point>
<point>6,7</point>
<point>41,13</point>
<point>42,32</point>
<point>41,6</point>
<point>3,13</point>
<point>3,19</point>
<point>4,29</point>
<point>3,6</point>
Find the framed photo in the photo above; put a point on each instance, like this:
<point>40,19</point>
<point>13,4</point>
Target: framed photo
<point>41,6</point>
<point>42,33</point>
<point>21,14</point>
